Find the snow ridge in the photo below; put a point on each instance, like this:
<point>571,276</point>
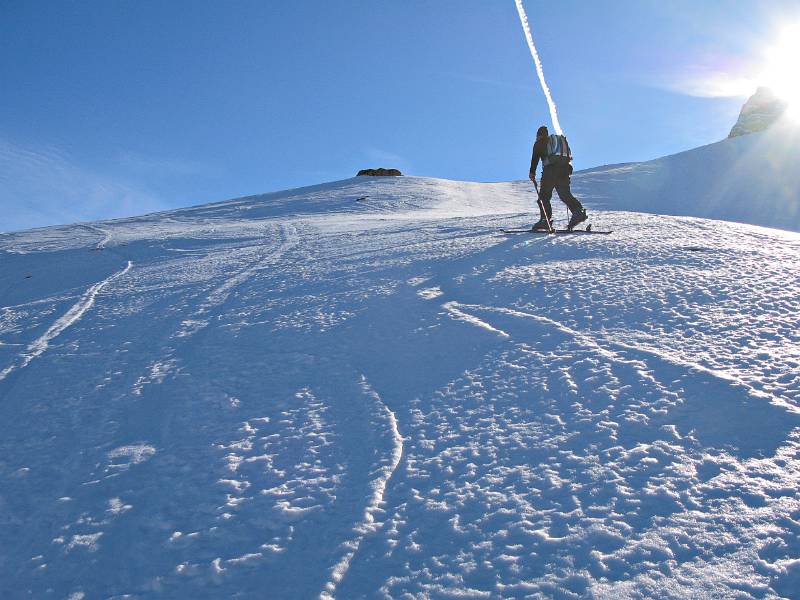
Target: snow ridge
<point>383,473</point>
<point>453,309</point>
<point>73,315</point>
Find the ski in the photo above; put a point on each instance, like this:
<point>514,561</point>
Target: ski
<point>556,231</point>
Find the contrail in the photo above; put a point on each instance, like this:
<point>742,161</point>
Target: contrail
<point>553,113</point>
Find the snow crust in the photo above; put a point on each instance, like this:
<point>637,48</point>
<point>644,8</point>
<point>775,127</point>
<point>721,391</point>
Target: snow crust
<point>309,395</point>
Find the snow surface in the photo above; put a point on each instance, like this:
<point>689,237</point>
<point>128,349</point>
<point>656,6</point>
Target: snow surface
<point>750,179</point>
<point>307,395</point>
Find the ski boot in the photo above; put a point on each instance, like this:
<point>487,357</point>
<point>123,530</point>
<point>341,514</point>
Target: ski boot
<point>577,217</point>
<point>541,225</point>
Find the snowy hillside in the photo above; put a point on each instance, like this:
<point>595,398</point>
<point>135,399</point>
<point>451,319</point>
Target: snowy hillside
<point>362,389</point>
<point>750,179</point>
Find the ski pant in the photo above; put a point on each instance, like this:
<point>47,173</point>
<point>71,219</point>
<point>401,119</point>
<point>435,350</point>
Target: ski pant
<point>557,177</point>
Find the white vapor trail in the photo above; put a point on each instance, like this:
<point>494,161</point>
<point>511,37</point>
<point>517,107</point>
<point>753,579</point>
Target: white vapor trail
<point>553,113</point>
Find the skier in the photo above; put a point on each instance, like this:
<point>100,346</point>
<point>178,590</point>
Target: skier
<point>554,152</point>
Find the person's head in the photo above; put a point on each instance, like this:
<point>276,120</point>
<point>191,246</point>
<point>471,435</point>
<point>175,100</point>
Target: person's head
<point>542,132</point>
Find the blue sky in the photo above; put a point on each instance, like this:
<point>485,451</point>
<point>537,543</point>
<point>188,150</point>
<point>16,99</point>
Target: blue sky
<point>124,107</point>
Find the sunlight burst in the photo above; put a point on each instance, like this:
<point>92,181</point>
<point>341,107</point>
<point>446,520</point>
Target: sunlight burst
<point>782,74</point>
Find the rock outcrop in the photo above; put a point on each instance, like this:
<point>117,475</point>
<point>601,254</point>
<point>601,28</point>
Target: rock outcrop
<point>380,172</point>
<point>760,111</point>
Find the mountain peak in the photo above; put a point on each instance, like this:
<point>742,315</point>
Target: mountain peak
<point>760,111</point>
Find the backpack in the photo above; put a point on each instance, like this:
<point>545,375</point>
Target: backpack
<point>558,152</point>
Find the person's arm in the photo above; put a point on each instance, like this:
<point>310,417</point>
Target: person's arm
<point>534,165</point>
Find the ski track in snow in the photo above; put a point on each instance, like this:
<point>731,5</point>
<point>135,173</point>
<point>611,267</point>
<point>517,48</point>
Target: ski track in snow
<point>454,308</point>
<point>72,316</point>
<point>104,240</point>
<point>265,255</point>
<point>581,417</point>
<point>604,347</point>
<point>218,296</point>
<point>383,472</point>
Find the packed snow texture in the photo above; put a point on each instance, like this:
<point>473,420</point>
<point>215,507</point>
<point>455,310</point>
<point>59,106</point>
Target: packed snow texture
<point>304,395</point>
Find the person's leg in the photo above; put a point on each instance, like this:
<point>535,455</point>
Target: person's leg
<point>546,186</point>
<point>561,184</point>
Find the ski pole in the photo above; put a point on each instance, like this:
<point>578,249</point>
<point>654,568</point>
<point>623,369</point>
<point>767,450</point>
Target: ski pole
<point>541,205</point>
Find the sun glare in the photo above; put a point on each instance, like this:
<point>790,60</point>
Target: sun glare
<point>782,74</point>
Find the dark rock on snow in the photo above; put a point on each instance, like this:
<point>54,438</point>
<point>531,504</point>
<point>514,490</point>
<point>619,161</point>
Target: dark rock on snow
<point>760,111</point>
<point>381,172</point>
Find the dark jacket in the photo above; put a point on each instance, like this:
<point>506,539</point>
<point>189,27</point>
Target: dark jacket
<point>540,153</point>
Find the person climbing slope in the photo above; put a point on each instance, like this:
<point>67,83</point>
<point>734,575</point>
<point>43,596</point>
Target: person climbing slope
<point>556,156</point>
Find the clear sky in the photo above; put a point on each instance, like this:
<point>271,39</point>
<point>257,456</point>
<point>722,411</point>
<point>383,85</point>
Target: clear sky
<point>119,108</point>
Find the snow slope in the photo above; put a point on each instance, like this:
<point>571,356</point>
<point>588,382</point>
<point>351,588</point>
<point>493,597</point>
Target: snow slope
<point>308,395</point>
<point>750,179</point>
